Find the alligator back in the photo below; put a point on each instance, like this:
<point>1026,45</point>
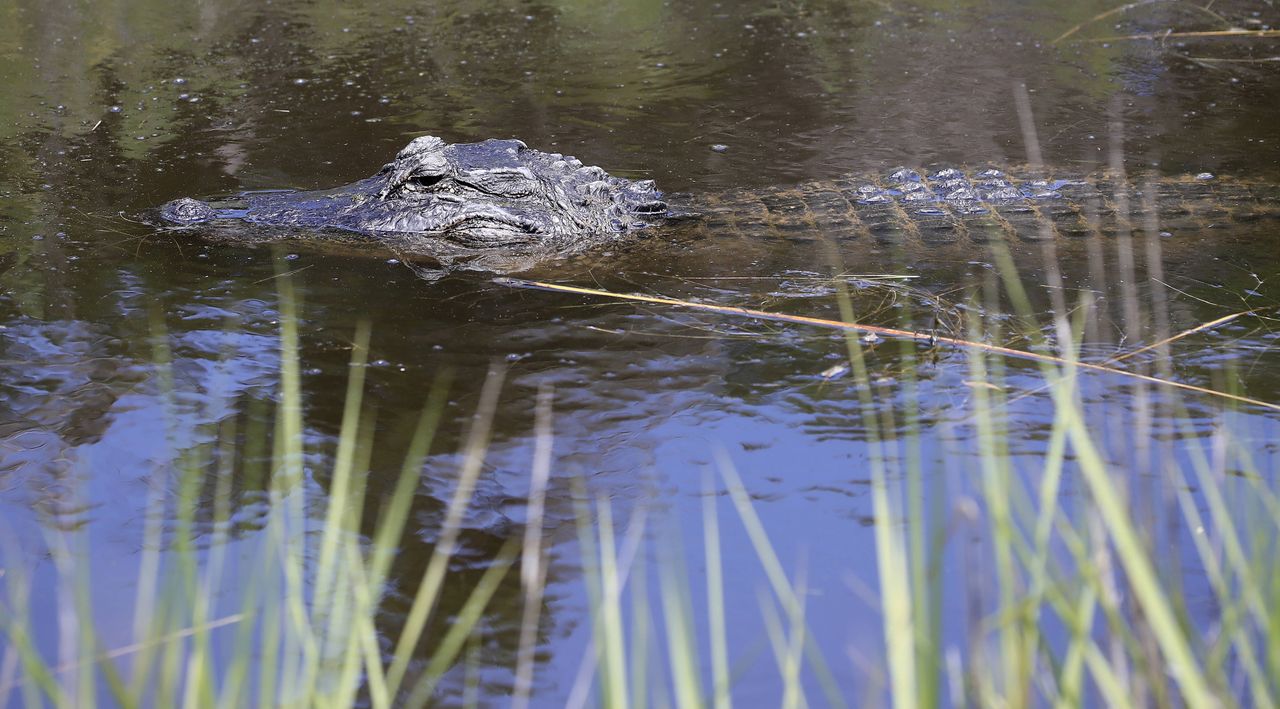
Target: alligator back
<point>951,205</point>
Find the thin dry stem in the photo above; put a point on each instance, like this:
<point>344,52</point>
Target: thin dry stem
<point>1128,7</point>
<point>879,330</point>
<point>1150,36</point>
<point>1185,333</point>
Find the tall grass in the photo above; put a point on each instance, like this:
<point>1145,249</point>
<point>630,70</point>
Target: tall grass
<point>1084,606</point>
<point>300,625</point>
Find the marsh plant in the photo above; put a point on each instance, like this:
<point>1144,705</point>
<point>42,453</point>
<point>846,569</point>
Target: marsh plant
<point>1072,594</point>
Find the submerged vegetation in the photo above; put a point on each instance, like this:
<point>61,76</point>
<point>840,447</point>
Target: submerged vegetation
<point>1071,594</point>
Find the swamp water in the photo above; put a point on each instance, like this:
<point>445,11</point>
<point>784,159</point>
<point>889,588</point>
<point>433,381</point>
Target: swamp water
<point>148,429</point>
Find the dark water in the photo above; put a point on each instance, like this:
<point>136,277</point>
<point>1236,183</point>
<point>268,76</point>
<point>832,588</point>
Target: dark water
<point>109,109</point>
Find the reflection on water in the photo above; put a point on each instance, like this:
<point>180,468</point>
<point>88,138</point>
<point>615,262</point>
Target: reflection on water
<point>110,109</point>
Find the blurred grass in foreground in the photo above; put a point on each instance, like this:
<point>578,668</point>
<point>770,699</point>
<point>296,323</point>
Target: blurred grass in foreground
<point>301,628</point>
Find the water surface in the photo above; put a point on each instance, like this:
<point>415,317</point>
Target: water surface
<point>110,109</point>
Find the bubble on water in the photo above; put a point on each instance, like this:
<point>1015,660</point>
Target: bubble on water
<point>180,81</point>
<point>115,109</point>
<point>720,148</point>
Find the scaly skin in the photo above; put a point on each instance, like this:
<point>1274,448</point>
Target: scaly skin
<point>985,206</point>
<point>499,205</point>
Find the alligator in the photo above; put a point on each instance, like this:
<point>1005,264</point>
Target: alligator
<point>500,205</point>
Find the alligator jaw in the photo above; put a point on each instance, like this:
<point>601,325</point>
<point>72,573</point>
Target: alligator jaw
<point>479,227</point>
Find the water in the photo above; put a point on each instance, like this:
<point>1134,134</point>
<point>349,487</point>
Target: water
<point>108,110</point>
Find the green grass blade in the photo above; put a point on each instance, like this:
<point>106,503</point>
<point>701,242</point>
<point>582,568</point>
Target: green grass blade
<point>533,563</point>
<point>434,575</point>
<point>461,627</point>
<point>716,626</point>
<point>1134,558</point>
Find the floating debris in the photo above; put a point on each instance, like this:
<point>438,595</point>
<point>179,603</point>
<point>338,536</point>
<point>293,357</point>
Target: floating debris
<point>835,370</point>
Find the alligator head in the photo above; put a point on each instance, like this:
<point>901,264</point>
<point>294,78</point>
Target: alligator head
<point>489,195</point>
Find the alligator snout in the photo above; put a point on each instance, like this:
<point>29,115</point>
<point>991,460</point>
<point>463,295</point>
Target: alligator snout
<point>187,211</point>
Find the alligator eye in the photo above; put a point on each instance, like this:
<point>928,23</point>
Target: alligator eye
<point>427,180</point>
